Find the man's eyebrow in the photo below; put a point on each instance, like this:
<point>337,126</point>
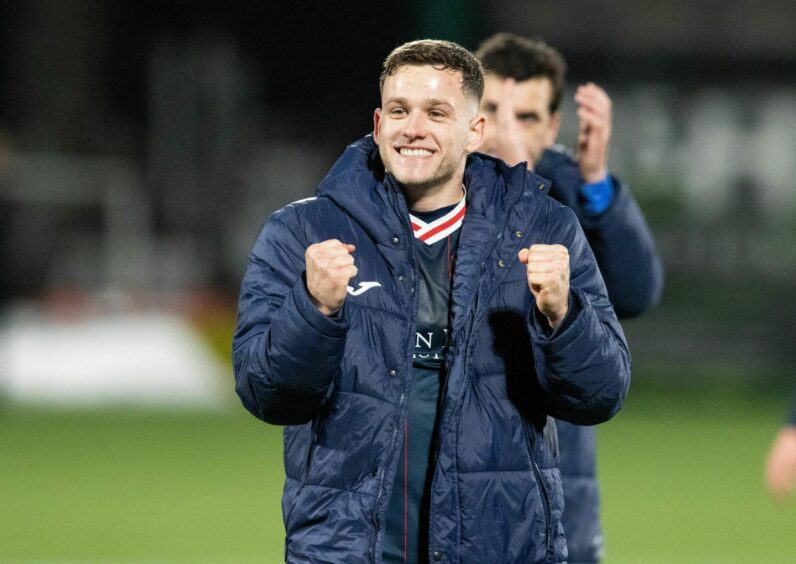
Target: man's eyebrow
<point>436,102</point>
<point>426,101</point>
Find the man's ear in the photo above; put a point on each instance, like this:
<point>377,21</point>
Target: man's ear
<point>475,135</point>
<point>551,134</point>
<point>376,123</point>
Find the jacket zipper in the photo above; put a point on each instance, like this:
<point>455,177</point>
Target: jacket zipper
<point>544,495</point>
<point>402,212</point>
<point>449,357</point>
<point>456,339</point>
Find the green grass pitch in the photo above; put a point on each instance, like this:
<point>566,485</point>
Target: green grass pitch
<point>681,477</point>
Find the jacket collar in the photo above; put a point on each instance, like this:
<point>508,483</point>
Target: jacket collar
<point>358,183</point>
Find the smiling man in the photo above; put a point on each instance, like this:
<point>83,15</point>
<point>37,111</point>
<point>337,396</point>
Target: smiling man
<point>424,150</point>
<point>414,327</point>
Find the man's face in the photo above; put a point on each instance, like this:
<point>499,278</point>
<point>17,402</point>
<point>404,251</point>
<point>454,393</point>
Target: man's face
<point>426,127</point>
<point>530,103</point>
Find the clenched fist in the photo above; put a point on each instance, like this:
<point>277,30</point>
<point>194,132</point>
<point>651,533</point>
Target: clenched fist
<point>329,268</point>
<point>548,279</point>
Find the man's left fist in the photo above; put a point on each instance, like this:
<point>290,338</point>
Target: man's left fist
<point>548,279</point>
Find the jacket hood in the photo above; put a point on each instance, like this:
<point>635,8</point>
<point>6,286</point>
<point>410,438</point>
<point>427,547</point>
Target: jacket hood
<point>358,183</point>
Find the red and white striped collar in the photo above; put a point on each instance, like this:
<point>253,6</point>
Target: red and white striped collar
<point>441,227</point>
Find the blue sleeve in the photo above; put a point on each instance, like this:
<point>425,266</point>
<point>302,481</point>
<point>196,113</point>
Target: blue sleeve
<point>619,236</point>
<point>625,251</point>
<point>583,366</point>
<point>285,352</point>
<point>596,197</point>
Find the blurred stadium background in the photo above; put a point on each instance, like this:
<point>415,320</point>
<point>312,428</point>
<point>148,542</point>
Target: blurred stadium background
<point>143,143</point>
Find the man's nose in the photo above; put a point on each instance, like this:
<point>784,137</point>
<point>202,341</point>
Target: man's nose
<point>415,125</point>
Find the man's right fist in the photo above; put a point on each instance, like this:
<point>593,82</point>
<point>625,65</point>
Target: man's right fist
<point>329,268</point>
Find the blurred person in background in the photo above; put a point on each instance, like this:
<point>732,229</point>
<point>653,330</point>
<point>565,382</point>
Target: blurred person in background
<point>781,462</point>
<point>414,326</point>
<point>522,97</point>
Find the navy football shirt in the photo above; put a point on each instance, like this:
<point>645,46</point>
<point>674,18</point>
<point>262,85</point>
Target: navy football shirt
<point>406,529</point>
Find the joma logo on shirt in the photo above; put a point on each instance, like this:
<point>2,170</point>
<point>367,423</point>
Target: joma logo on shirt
<point>363,287</point>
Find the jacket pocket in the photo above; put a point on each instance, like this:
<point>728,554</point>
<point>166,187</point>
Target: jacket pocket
<point>311,448</point>
<point>543,454</point>
<point>550,451</point>
<point>531,438</point>
<point>306,474</point>
<point>551,480</point>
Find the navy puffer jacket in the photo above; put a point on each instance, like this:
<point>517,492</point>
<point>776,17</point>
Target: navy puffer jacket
<point>340,384</point>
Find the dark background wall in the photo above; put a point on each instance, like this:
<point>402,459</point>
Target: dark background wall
<point>143,143</point>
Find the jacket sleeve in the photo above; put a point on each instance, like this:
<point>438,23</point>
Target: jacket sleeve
<point>626,254</point>
<point>583,366</point>
<point>619,238</point>
<point>285,352</point>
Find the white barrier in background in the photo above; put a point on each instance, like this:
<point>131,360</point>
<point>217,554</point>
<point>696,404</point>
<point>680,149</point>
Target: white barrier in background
<point>143,359</point>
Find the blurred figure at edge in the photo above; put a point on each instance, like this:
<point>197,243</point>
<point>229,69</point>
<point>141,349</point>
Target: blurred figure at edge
<point>781,461</point>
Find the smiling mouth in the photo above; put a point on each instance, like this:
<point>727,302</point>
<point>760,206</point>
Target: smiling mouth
<point>407,152</point>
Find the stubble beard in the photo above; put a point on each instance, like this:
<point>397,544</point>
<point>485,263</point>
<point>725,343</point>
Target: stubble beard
<point>429,185</point>
<point>438,179</point>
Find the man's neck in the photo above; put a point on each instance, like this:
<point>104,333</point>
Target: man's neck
<point>423,199</point>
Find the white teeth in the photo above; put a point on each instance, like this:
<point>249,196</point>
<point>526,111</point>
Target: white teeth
<point>415,152</point>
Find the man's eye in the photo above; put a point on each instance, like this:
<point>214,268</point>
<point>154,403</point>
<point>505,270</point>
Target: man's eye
<point>397,111</point>
<point>436,114</point>
<point>528,118</point>
<point>489,108</point>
